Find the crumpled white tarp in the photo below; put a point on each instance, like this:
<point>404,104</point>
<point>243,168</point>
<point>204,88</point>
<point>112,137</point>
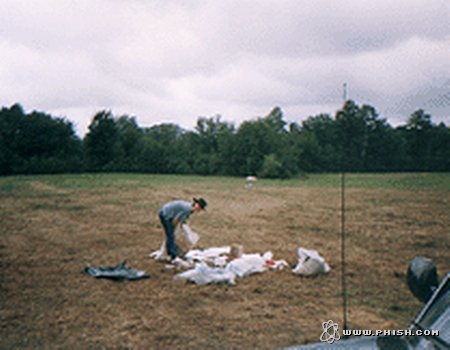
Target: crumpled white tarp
<point>310,263</point>
<point>247,265</point>
<point>203,274</point>
<point>216,256</point>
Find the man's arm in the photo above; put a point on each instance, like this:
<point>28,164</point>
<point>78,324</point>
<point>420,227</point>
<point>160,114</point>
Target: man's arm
<point>179,219</point>
<point>176,221</point>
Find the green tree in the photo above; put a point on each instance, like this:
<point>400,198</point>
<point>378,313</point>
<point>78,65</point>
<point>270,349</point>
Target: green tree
<point>439,158</point>
<point>257,139</point>
<point>11,120</point>
<point>384,149</point>
<point>131,143</point>
<point>171,157</point>
<point>102,143</point>
<point>417,133</point>
<point>365,141</point>
<point>316,144</point>
<point>352,136</point>
<point>211,146</point>
<point>151,158</point>
<point>37,143</point>
<point>272,168</point>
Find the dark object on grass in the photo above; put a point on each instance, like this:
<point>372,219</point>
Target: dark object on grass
<point>422,278</point>
<point>119,272</point>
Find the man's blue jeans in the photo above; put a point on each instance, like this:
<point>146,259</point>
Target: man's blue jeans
<point>169,229</point>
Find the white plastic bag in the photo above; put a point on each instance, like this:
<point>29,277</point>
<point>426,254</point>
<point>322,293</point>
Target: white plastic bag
<point>190,236</point>
<point>185,238</point>
<point>310,263</point>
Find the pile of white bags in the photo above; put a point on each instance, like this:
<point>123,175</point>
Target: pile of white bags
<point>224,265</point>
<point>247,264</point>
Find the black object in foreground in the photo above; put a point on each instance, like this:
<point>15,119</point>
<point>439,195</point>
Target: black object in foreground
<point>422,278</point>
<point>119,272</point>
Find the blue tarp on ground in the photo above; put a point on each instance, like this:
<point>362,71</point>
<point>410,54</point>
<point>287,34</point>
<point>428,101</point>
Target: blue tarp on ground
<point>119,272</point>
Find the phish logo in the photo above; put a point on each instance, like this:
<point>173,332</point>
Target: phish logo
<point>330,332</point>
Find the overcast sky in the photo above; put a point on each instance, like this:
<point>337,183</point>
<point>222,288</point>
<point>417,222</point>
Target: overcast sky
<point>175,60</point>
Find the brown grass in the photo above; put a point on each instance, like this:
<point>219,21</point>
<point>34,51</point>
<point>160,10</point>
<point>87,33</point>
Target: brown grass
<point>49,233</point>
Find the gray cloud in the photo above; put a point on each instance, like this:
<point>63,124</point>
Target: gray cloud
<point>172,61</point>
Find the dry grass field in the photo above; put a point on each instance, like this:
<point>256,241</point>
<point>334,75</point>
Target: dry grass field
<point>54,226</point>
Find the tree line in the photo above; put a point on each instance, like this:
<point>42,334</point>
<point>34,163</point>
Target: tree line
<point>355,139</point>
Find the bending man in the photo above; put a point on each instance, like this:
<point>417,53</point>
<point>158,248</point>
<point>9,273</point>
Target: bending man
<point>176,213</point>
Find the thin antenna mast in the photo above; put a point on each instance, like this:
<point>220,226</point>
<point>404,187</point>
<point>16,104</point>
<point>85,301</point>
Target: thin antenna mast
<point>344,286</point>
<point>343,281</point>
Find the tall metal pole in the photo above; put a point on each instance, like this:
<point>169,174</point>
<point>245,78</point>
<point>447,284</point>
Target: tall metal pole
<point>343,281</point>
<point>343,271</point>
